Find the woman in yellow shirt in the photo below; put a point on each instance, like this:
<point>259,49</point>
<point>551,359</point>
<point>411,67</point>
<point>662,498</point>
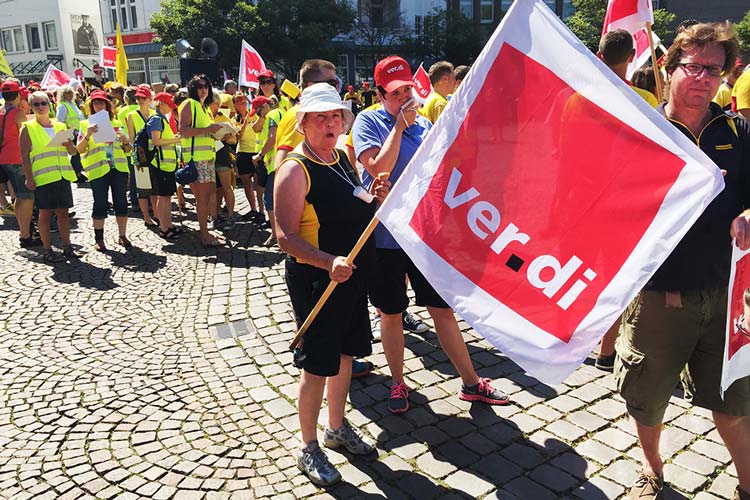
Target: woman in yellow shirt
<point>249,125</point>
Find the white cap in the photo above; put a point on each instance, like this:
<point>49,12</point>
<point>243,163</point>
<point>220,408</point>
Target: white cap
<point>322,97</point>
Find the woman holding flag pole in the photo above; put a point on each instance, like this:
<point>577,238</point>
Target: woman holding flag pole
<point>321,212</point>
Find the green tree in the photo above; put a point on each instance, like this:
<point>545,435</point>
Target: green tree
<point>284,33</point>
<point>588,20</point>
<point>743,32</point>
<point>446,34</point>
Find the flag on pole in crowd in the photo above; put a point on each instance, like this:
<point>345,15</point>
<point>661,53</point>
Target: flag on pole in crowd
<point>226,75</point>
<point>630,15</point>
<point>510,216</point>
<point>642,50</point>
<point>108,57</point>
<point>4,66</point>
<point>121,61</point>
<point>422,84</point>
<point>55,78</point>
<point>737,345</point>
<point>251,64</point>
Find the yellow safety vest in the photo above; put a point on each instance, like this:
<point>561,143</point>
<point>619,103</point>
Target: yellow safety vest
<point>48,164</point>
<point>94,160</point>
<point>71,118</point>
<point>204,147</point>
<point>166,156</point>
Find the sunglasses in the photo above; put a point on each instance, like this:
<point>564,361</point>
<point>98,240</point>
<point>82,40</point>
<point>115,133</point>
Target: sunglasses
<point>265,82</point>
<point>200,86</point>
<point>40,104</point>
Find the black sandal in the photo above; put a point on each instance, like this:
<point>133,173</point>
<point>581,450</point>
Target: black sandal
<point>169,234</point>
<point>69,253</point>
<point>52,257</point>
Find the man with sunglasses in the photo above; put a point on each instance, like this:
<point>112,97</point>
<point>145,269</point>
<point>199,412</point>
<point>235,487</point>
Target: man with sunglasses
<point>675,328</point>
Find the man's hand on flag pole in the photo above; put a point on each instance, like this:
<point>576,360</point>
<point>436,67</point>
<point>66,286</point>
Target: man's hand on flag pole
<point>340,270</point>
<point>381,186</point>
<point>741,230</point>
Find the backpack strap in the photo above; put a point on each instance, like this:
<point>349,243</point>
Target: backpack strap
<point>2,131</point>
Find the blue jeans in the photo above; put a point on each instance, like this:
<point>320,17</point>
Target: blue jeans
<point>115,181</point>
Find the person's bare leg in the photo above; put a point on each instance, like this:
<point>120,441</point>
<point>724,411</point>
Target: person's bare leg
<point>143,204</point>
<point>308,404</point>
<point>164,211</point>
<point>392,338</point>
<point>45,218</point>
<point>453,343</point>
<point>338,390</point>
<point>63,224</point>
<point>122,225</point>
<point>607,344</point>
<point>226,182</point>
<point>24,212</point>
<point>247,186</point>
<point>649,438</point>
<point>735,432</point>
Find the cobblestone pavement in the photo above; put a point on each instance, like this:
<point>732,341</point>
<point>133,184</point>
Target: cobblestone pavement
<point>163,373</point>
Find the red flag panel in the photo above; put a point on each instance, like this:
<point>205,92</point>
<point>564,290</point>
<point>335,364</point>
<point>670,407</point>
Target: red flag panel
<point>528,200</point>
<point>740,335</point>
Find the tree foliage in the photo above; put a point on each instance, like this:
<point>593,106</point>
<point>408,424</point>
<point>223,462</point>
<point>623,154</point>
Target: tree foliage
<point>446,34</point>
<point>743,32</point>
<point>588,20</point>
<point>284,33</point>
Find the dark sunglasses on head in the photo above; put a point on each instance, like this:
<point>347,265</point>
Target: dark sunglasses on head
<point>40,104</point>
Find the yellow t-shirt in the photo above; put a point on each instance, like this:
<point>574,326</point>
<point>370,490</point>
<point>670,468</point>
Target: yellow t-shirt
<point>349,140</point>
<point>248,137</point>
<point>287,137</point>
<point>433,106</point>
<point>227,101</point>
<point>647,96</point>
<point>724,95</point>
<point>741,92</point>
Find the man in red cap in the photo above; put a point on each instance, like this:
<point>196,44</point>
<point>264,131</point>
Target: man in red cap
<point>353,97</point>
<point>367,95</point>
<point>385,140</point>
<point>724,96</point>
<point>12,118</point>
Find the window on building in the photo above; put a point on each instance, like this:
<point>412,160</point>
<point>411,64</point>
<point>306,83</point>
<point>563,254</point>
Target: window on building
<point>13,40</point>
<point>137,71</point>
<point>133,15</point>
<point>417,25</point>
<point>33,38</point>
<point>159,67</point>
<point>123,15</point>
<point>486,11</point>
<point>113,14</point>
<point>466,7</point>
<point>50,35</point>
<point>505,5</point>
<point>568,9</point>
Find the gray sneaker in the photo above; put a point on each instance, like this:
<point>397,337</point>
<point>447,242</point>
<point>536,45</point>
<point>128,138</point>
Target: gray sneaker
<point>315,464</point>
<point>349,438</point>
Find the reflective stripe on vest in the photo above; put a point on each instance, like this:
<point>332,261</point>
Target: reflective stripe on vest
<point>48,165</point>
<point>71,117</point>
<point>204,144</point>
<point>167,155</point>
<point>94,160</point>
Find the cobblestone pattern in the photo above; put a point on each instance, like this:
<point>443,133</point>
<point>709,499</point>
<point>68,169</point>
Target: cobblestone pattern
<point>164,373</point>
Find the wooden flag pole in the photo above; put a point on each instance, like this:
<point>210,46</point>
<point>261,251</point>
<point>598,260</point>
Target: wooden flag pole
<point>657,73</point>
<point>332,285</point>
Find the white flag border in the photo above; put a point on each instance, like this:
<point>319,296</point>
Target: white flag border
<point>741,358</point>
<point>592,79</point>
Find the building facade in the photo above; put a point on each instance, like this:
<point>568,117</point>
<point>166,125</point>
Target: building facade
<point>146,65</point>
<point>33,34</point>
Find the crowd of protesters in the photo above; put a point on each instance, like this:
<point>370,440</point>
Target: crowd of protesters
<point>317,197</point>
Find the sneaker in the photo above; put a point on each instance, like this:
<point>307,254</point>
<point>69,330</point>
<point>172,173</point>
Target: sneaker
<point>218,222</point>
<point>647,487</point>
<point>229,225</point>
<point>361,368</point>
<point>483,392</point>
<point>349,438</point>
<point>31,241</point>
<point>315,464</point>
<point>740,495</point>
<point>413,324</point>
<point>271,241</point>
<point>376,329</point>
<point>606,363</point>
<point>399,400</point>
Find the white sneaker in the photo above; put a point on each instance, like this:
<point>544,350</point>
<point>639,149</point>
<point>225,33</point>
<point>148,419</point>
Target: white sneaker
<point>376,329</point>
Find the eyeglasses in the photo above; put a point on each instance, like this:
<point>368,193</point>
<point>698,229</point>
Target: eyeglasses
<point>199,86</point>
<point>333,83</point>
<point>695,69</point>
<point>265,82</point>
<point>740,324</point>
<point>39,104</point>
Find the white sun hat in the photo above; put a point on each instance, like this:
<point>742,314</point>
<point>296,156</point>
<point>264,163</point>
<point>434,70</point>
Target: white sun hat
<point>322,97</point>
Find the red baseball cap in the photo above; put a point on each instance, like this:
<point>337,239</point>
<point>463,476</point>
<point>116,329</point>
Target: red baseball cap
<point>365,84</point>
<point>24,92</point>
<point>350,87</point>
<point>98,94</point>
<point>143,91</point>
<point>738,63</point>
<point>266,73</point>
<point>166,98</point>
<point>393,72</point>
<point>10,86</point>
<point>257,103</point>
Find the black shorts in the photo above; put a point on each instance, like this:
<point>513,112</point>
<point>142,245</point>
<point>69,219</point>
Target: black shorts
<point>341,327</point>
<point>388,289</point>
<point>53,196</point>
<point>245,164</point>
<point>162,183</point>
<point>3,176</point>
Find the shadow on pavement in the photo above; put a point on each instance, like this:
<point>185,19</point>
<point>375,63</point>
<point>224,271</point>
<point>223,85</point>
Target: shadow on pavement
<point>137,260</point>
<point>83,273</point>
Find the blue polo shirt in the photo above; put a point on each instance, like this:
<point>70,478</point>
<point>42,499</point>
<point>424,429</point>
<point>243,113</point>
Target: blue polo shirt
<point>371,128</point>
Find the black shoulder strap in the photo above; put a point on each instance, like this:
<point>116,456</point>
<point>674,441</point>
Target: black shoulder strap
<point>2,131</point>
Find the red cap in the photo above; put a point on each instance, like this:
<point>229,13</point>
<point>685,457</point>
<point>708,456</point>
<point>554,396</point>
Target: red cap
<point>266,73</point>
<point>143,91</point>
<point>738,63</point>
<point>10,86</point>
<point>24,92</point>
<point>365,84</point>
<point>257,103</point>
<point>350,88</point>
<point>392,72</point>
<point>166,98</point>
<point>98,94</point>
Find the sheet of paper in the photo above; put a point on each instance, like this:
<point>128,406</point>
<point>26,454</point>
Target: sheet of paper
<point>142,178</point>
<point>226,128</point>
<point>60,137</point>
<point>105,133</point>
<point>219,145</point>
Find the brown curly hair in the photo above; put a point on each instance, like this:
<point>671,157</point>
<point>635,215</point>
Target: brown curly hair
<point>701,35</point>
